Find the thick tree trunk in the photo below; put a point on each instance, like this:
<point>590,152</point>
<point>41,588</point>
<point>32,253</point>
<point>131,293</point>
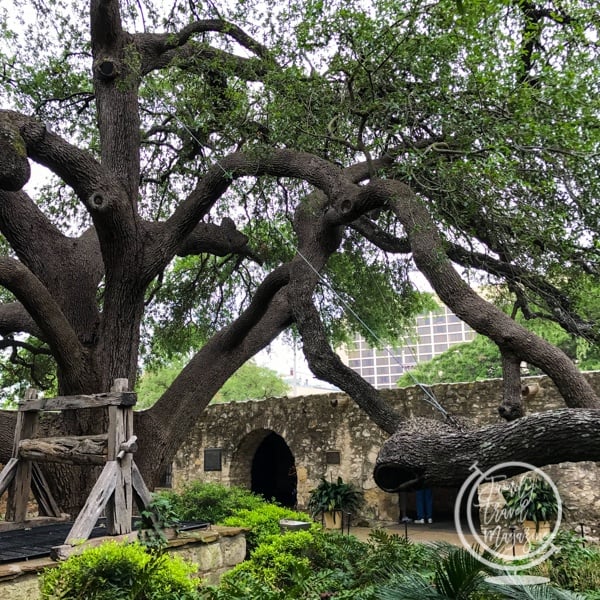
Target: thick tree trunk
<point>428,453</point>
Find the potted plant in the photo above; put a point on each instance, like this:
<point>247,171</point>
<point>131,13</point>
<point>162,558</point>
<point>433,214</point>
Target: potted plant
<point>332,498</point>
<point>533,503</point>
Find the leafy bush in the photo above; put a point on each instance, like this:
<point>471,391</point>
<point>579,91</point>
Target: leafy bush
<point>262,521</point>
<point>292,565</point>
<point>210,502</point>
<point>276,562</point>
<point>119,571</point>
<point>289,565</point>
<point>576,566</point>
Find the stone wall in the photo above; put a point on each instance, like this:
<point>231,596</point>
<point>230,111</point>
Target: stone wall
<point>214,551</point>
<point>312,426</point>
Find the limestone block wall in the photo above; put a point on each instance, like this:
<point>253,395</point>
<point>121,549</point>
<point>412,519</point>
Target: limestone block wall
<point>214,552</point>
<point>313,426</point>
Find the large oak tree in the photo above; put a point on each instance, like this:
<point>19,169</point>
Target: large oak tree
<point>225,174</point>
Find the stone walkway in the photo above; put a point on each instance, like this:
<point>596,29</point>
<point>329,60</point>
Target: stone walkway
<point>442,531</point>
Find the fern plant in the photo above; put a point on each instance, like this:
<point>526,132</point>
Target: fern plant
<point>457,575</point>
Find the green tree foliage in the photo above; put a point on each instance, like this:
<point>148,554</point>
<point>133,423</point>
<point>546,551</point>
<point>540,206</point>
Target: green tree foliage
<point>252,382</point>
<point>480,359</point>
<point>471,361</point>
<point>222,174</point>
<point>503,153</point>
<point>249,382</point>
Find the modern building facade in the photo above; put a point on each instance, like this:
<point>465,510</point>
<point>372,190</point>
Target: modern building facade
<point>434,333</point>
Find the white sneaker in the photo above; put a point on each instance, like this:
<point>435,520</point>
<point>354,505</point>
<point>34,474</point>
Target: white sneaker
<point>419,521</point>
<point>430,520</point>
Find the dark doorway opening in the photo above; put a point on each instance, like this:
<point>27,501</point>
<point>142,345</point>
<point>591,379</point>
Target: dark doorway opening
<point>274,471</point>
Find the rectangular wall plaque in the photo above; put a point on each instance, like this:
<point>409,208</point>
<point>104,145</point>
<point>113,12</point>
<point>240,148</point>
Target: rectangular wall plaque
<point>333,457</point>
<point>212,459</point>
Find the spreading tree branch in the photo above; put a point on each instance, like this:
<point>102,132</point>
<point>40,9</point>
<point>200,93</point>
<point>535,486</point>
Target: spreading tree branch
<point>277,163</point>
<point>157,45</point>
<point>14,318</point>
<point>559,306</point>
<point>219,240</point>
<point>431,259</point>
<point>56,330</point>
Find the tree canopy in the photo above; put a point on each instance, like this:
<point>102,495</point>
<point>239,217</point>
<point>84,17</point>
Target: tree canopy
<point>249,382</point>
<point>221,174</point>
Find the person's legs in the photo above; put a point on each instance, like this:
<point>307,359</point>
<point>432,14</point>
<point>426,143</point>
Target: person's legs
<point>403,516</point>
<point>428,501</point>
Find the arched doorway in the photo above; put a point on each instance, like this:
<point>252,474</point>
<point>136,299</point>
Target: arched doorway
<point>264,463</point>
<point>273,473</point>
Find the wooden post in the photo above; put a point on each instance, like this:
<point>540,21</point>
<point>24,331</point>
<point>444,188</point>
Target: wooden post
<point>120,429</point>
<point>41,490</point>
<point>18,493</point>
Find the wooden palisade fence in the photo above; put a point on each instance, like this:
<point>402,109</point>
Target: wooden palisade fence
<point>119,483</point>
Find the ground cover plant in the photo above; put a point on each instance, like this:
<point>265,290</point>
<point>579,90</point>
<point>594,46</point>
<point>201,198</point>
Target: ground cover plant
<point>576,566</point>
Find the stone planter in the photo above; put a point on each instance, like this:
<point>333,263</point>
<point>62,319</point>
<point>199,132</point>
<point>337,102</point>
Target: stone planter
<point>333,519</point>
<point>291,525</point>
<point>544,528</point>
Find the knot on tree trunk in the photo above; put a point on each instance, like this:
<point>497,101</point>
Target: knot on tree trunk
<point>14,165</point>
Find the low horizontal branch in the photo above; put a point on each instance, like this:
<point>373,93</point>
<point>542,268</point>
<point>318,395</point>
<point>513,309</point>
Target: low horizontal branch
<point>429,453</point>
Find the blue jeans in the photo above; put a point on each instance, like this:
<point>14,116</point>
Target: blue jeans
<point>425,503</point>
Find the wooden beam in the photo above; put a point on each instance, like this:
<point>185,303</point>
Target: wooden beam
<point>18,493</point>
<point>81,401</point>
<point>142,493</point>
<point>120,431</point>
<point>82,450</point>
<point>8,474</point>
<point>95,504</point>
<point>47,505</point>
<point>31,523</point>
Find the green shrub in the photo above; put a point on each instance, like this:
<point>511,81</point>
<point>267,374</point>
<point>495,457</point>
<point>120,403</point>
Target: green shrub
<point>334,551</point>
<point>210,502</point>
<point>282,564</point>
<point>325,563</point>
<point>263,521</point>
<point>576,566</point>
<point>119,571</point>
<point>274,563</point>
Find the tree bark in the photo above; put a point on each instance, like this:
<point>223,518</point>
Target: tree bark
<point>512,401</point>
<point>427,453</point>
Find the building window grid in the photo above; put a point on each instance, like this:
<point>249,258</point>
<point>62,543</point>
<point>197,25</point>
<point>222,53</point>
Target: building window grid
<point>441,329</point>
